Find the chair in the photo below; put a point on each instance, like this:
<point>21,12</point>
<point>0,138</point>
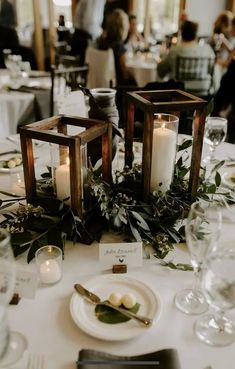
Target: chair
<point>196,73</point>
<point>66,80</point>
<point>101,64</point>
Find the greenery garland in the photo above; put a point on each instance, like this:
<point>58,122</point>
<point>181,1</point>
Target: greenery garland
<point>119,207</point>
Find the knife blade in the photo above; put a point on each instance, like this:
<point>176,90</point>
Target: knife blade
<point>94,299</point>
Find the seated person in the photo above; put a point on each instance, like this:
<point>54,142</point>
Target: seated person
<point>116,30</point>
<point>134,38</point>
<point>188,47</point>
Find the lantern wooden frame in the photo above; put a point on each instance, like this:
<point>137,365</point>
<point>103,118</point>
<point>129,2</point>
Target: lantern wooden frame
<point>42,130</point>
<point>164,101</point>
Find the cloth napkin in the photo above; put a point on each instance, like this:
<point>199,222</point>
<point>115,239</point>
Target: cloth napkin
<point>163,359</point>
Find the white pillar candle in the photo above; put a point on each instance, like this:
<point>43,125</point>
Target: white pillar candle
<point>62,180</point>
<point>50,271</point>
<point>163,158</point>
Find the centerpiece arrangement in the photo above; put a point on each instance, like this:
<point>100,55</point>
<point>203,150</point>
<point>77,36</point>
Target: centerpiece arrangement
<point>130,203</point>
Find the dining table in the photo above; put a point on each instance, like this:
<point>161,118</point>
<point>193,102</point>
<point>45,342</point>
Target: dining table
<point>48,321</point>
<point>143,67</point>
<point>23,100</point>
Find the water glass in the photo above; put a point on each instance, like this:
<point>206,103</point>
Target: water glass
<point>218,283</point>
<point>202,230</point>
<point>4,330</point>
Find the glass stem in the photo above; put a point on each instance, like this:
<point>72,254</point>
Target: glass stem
<point>219,320</point>
<point>196,280</point>
<point>212,155</point>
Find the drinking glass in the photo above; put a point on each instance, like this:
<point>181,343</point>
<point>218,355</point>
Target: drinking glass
<point>202,229</point>
<point>7,283</point>
<point>215,133</point>
<point>218,283</point>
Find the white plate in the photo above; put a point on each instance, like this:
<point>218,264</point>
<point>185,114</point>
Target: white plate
<point>83,312</point>
<point>226,177</point>
<point>16,348</point>
<point>17,169</point>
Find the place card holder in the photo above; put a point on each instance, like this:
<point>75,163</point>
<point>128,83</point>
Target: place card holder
<point>119,268</point>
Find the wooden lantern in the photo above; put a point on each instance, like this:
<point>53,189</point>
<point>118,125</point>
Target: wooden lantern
<point>54,130</point>
<point>164,101</point>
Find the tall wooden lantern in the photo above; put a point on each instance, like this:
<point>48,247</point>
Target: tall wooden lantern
<point>54,130</point>
<point>157,103</point>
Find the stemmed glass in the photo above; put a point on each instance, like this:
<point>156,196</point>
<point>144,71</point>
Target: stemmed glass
<point>215,133</point>
<point>202,229</point>
<point>218,283</point>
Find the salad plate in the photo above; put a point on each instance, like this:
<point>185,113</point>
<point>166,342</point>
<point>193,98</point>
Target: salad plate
<point>83,312</point>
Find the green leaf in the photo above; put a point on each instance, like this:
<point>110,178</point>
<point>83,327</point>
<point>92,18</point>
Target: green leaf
<point>110,316</point>
<point>217,179</point>
<point>210,107</point>
<point>140,221</point>
<point>185,145</point>
<point>217,166</point>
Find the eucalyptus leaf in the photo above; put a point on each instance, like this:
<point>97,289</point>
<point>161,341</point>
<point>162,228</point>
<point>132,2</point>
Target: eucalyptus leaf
<point>217,179</point>
<point>110,316</point>
<point>185,145</point>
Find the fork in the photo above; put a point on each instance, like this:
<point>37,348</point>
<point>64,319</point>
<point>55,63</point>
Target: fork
<point>35,361</point>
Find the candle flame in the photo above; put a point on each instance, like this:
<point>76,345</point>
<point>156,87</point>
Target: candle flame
<point>163,125</point>
<point>67,161</point>
<point>47,262</point>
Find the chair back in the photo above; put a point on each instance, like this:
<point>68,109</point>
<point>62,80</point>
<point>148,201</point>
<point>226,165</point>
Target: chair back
<point>66,80</point>
<point>101,64</point>
<point>196,73</point>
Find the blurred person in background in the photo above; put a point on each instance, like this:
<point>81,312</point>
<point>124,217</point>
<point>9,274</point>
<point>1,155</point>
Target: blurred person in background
<point>87,23</point>
<point>133,34</point>
<point>188,47</point>
<point>7,14</point>
<point>116,31</point>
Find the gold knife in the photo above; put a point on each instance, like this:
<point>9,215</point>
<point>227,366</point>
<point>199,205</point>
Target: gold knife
<point>94,299</point>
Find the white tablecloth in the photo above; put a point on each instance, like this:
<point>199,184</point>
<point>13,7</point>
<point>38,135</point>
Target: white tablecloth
<point>13,106</point>
<point>18,107</point>
<point>49,328</point>
<point>142,69</point>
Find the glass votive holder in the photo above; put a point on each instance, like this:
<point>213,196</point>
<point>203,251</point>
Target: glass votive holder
<point>49,264</point>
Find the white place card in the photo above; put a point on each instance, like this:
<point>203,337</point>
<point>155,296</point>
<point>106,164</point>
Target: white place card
<point>26,283</point>
<point>129,253</point>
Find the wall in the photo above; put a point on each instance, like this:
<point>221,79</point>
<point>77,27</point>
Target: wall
<point>205,12</point>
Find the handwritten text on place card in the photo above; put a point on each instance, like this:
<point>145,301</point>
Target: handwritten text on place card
<point>26,283</point>
<point>120,253</point>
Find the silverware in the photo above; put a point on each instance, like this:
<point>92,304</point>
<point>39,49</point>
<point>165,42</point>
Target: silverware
<point>35,361</point>
<point>11,194</point>
<point>10,152</point>
<point>94,299</point>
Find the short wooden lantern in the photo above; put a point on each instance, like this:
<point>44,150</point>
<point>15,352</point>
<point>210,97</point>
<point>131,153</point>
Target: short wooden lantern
<point>164,101</point>
<point>54,130</point>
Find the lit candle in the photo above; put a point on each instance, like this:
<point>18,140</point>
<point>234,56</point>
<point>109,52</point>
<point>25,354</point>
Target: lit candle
<point>50,271</point>
<point>62,180</point>
<point>163,158</point>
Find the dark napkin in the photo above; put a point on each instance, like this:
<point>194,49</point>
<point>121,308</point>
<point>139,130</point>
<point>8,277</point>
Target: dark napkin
<point>163,359</point>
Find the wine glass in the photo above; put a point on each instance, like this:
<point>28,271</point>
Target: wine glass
<point>218,283</point>
<point>215,133</point>
<point>202,228</point>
